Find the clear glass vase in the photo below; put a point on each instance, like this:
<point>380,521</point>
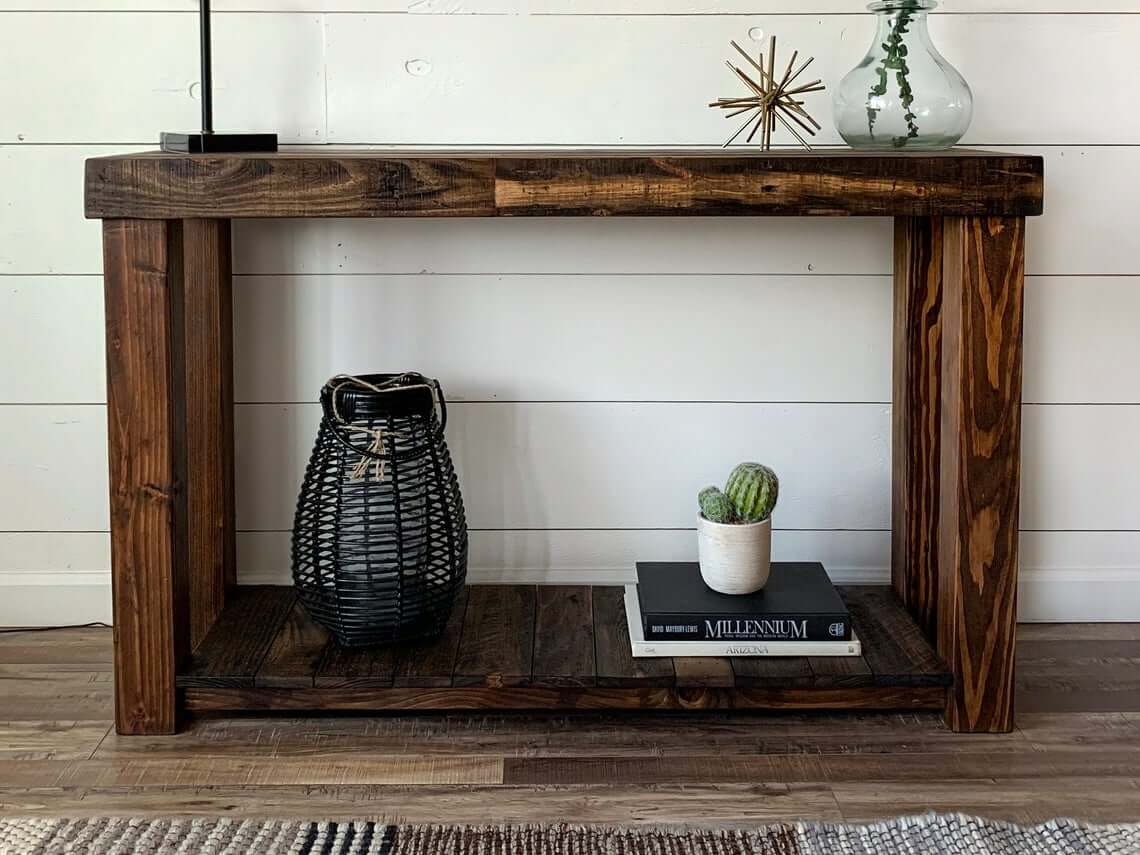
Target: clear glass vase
<point>904,94</point>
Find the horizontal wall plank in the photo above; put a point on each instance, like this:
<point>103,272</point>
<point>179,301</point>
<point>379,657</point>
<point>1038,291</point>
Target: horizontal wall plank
<point>600,338</point>
<point>698,7</point>
<point>451,72</point>
<point>1086,230</point>
<point>861,557</point>
<point>52,329</point>
<point>1080,467</point>
<point>831,334</point>
<point>53,468</point>
<point>675,338</point>
<point>607,465</point>
<point>598,557</point>
<point>747,8</point>
<point>1073,551</point>
<point>1087,225</point>
<point>54,598</point>
<point>267,76</point>
<point>603,245</point>
<point>55,551</point>
<point>1065,576</point>
<point>601,465</point>
<point>559,465</point>
<point>1083,595</point>
<point>1079,331</point>
<point>1079,576</point>
<point>42,229</point>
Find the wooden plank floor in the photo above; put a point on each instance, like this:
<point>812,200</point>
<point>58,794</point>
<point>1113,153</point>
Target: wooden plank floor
<point>562,647</point>
<point>1075,752</point>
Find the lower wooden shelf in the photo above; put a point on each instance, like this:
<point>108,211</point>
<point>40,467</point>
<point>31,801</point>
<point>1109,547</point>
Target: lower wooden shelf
<point>520,647</point>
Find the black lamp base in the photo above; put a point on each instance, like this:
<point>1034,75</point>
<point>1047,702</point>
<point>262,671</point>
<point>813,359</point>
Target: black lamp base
<point>217,143</point>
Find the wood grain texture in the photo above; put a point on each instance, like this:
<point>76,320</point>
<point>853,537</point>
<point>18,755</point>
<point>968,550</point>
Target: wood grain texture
<point>821,183</point>
<point>563,636</point>
<point>722,767</point>
<point>892,644</point>
<point>839,671</point>
<point>297,652</point>
<point>711,767</point>
<point>49,740</point>
<point>143,292</point>
<point>614,661</point>
<point>30,695</point>
<point>636,734</point>
<point>716,767</point>
<point>341,667</point>
<point>703,672</point>
<point>432,663</point>
<point>916,417</point>
<point>983,285</point>
<point>237,644</point>
<point>775,671</point>
<point>290,185</point>
<point>714,804</point>
<point>564,647</point>
<point>207,360</point>
<point>266,771</point>
<point>497,648</point>
<point>361,184</point>
<point>529,698</point>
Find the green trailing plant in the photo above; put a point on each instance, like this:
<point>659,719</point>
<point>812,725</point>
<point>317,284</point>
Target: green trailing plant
<point>895,60</point>
<point>749,497</point>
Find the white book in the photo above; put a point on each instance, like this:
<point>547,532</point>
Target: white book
<point>643,649</point>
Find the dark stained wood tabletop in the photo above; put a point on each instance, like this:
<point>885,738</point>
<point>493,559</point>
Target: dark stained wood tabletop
<point>332,183</point>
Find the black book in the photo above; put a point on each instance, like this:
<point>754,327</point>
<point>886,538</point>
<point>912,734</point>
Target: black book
<point>799,603</point>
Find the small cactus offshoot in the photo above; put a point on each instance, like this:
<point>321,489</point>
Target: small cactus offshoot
<point>749,497</point>
<point>716,506</point>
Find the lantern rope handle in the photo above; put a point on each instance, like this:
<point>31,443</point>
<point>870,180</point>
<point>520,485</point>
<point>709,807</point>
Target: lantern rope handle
<point>374,453</point>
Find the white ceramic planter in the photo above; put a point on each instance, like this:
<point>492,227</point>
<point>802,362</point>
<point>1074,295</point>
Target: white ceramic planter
<point>735,559</point>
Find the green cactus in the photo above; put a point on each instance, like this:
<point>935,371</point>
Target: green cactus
<point>715,506</point>
<point>752,488</point>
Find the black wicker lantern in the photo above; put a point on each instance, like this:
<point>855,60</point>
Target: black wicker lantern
<point>380,540</point>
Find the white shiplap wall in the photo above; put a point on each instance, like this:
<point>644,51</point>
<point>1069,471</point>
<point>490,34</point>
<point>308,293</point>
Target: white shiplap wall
<point>601,370</point>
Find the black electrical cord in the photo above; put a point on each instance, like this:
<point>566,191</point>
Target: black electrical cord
<point>92,625</point>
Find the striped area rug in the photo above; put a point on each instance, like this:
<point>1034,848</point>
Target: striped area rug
<point>950,835</point>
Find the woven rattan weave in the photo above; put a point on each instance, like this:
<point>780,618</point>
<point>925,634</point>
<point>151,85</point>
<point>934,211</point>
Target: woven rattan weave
<point>379,539</point>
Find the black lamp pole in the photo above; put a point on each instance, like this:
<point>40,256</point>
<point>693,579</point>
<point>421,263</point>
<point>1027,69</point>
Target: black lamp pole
<point>206,141</point>
<point>207,69</point>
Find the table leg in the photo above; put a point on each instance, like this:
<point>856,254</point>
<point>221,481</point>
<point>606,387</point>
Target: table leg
<point>208,369</point>
<point>915,452</point>
<point>955,475</point>
<point>142,274</point>
<point>170,416</point>
<point>983,275</point>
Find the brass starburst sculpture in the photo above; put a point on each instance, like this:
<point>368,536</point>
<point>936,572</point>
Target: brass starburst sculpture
<point>771,101</point>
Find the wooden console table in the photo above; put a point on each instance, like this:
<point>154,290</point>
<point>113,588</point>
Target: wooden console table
<point>187,637</point>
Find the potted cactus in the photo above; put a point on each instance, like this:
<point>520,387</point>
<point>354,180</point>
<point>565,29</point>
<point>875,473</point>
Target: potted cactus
<point>734,530</point>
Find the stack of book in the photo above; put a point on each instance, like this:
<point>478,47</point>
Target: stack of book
<point>671,612</point>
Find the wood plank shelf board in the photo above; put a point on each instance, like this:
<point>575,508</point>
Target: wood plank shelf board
<point>560,647</point>
<point>331,183</point>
